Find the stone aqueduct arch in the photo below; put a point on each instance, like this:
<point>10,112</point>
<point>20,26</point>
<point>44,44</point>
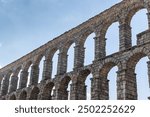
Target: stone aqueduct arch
<point>125,59</point>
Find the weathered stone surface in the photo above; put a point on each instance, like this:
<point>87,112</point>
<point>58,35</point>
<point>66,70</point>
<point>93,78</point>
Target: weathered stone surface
<point>56,89</point>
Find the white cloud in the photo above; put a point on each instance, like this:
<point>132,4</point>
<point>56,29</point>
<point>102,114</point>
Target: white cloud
<point>0,66</point>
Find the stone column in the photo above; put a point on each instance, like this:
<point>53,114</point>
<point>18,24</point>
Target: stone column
<point>34,75</point>
<point>73,91</point>
<point>79,56</point>
<point>13,83</point>
<point>23,79</point>
<point>104,88</point>
<point>95,88</point>
<point>60,94</point>
<point>148,66</point>
<point>99,90</point>
<point>148,16</point>
<point>100,87</point>
<point>4,85</point>
<point>44,97</point>
<point>100,47</point>
<point>62,63</point>
<point>147,6</point>
<point>125,36</point>
<point>126,85</point>
<point>78,91</point>
<point>47,69</point>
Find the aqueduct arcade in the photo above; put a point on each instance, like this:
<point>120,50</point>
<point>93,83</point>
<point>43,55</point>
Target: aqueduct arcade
<point>21,80</point>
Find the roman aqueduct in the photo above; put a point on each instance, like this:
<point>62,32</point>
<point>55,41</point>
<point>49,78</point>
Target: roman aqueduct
<point>14,76</point>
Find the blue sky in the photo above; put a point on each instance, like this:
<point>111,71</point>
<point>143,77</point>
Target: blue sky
<point>23,22</point>
<point>27,24</point>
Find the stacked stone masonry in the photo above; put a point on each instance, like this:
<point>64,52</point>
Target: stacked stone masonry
<point>125,59</point>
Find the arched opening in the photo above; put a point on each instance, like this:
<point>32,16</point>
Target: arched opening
<point>53,93</point>
<point>112,78</point>
<point>139,23</point>
<point>34,93</point>
<point>13,81</point>
<point>6,82</point>
<point>19,79</point>
<point>112,39</point>
<point>12,97</point>
<point>55,63</point>
<point>89,49</point>
<point>47,91</point>
<point>10,78</point>
<point>88,86</point>
<point>9,83</point>
<point>65,88</point>
<point>84,84</point>
<point>108,76</point>
<point>29,75</point>
<point>70,61</point>
<point>23,95</point>
<point>143,89</point>
<point>138,70</point>
<point>25,75</point>
<point>41,66</point>
<point>69,90</point>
